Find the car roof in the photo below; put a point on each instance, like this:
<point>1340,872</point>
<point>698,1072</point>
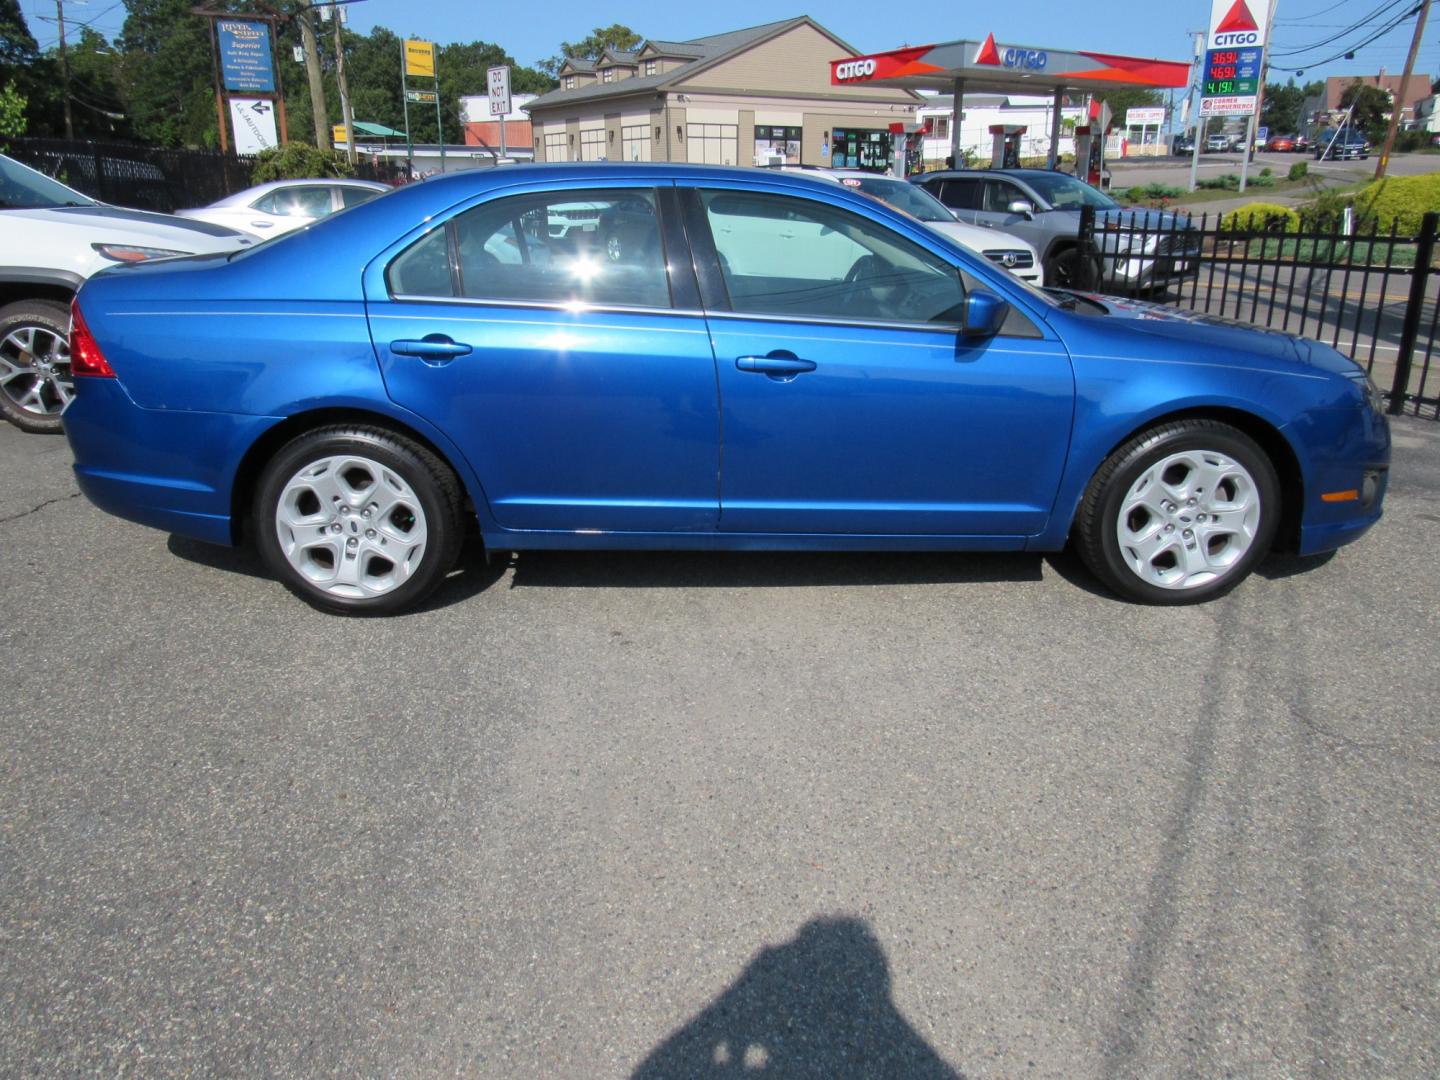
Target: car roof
<point>250,194</point>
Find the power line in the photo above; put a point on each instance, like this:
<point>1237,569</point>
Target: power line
<point>1380,11</point>
<point>1351,50</point>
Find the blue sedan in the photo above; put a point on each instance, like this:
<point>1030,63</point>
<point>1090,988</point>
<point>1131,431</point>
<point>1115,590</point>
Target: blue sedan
<point>660,356</point>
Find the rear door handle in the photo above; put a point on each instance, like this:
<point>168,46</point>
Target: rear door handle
<point>774,365</point>
<point>431,347</point>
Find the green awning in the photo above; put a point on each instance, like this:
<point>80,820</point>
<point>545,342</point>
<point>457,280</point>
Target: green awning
<point>364,127</point>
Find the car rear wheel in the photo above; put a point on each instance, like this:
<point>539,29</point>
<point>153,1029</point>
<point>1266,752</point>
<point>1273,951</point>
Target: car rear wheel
<point>35,380</point>
<point>358,520</point>
<point>1180,514</point>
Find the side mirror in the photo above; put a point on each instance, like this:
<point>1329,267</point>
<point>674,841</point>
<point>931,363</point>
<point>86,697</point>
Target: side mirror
<point>985,313</point>
<point>1024,207</point>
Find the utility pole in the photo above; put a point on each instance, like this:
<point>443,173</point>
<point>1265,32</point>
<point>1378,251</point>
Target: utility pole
<point>318,110</point>
<point>1395,103</point>
<point>1198,38</point>
<point>344,88</point>
<point>64,69</point>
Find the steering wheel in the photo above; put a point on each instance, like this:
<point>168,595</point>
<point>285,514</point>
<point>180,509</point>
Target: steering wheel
<point>862,270</point>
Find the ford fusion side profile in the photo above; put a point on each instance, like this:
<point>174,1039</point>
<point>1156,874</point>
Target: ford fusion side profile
<point>708,358</point>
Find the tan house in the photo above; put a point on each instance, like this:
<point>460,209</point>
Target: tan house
<point>756,96</point>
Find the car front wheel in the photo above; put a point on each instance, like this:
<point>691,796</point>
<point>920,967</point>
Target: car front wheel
<point>1179,514</point>
<point>35,380</point>
<point>358,520</point>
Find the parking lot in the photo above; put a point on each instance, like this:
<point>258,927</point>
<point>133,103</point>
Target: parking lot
<point>691,814</point>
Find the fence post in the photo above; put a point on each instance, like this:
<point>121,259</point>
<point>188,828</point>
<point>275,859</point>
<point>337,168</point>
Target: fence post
<point>100,192</point>
<point>1411,328</point>
<point>1085,263</point>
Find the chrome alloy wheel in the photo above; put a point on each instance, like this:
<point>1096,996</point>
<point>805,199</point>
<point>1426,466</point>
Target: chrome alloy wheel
<point>351,526</point>
<point>1188,519</point>
<point>35,370</point>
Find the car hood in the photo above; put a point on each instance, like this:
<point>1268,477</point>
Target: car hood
<point>1134,217</point>
<point>1217,337</point>
<point>978,239</point>
<point>116,225</point>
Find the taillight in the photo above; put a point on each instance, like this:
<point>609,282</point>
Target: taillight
<point>85,356</point>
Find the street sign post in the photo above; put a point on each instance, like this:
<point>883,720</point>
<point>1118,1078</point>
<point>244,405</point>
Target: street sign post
<point>417,59</point>
<point>498,81</point>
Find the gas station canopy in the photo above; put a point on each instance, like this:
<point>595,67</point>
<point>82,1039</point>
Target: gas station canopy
<point>987,67</point>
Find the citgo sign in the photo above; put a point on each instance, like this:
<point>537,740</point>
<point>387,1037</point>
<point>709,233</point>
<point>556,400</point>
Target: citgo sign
<point>855,69</point>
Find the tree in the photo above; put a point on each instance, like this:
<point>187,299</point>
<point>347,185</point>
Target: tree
<point>167,73</point>
<point>1369,108</point>
<point>1282,108</point>
<point>615,36</point>
<point>12,112</point>
<point>95,87</point>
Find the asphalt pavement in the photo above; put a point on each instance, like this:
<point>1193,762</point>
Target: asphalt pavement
<point>690,815</point>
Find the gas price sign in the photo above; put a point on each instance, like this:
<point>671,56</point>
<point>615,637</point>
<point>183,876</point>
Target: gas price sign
<point>1232,72</point>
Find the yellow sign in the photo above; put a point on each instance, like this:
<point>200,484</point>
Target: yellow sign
<point>337,133</point>
<point>420,58</point>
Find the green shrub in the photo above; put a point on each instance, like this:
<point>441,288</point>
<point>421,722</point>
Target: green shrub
<point>1265,179</point>
<point>1399,201</point>
<point>1271,217</point>
<point>1228,182</point>
<point>1298,171</point>
<point>1407,142</point>
<point>299,161</point>
<point>1152,193</point>
<point>1267,171</point>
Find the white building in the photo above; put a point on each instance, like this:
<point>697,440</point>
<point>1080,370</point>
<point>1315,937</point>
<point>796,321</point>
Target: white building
<point>985,110</point>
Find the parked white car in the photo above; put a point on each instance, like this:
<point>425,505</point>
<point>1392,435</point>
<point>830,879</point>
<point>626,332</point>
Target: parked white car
<point>1001,248</point>
<point>51,239</point>
<point>283,205</point>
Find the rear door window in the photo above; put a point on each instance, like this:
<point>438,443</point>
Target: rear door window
<point>593,247</point>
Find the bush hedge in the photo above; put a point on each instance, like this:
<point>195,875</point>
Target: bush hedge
<point>1399,201</point>
<point>299,161</point>
<point>1271,217</point>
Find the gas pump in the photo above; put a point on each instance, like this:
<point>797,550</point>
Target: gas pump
<point>907,143</point>
<point>1089,154</point>
<point>1005,152</point>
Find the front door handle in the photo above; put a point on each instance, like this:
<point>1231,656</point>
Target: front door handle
<point>774,365</point>
<point>431,347</point>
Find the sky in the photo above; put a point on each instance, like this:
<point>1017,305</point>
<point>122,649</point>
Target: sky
<point>533,31</point>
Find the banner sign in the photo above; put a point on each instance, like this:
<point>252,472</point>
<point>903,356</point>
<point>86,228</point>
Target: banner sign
<point>245,61</point>
<point>253,120</point>
<point>1146,117</point>
<point>420,58</point>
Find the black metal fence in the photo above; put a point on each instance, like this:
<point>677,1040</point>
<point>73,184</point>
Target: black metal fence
<point>148,177</point>
<point>1373,295</point>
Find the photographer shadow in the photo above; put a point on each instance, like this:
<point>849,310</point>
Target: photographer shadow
<point>817,1006</point>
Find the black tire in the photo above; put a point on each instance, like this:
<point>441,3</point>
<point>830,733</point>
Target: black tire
<point>37,320</point>
<point>1071,268</point>
<point>431,480</point>
<point>1096,527</point>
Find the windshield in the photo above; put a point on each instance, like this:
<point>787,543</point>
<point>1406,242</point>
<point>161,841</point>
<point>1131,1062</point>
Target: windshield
<point>1066,193</point>
<point>25,189</point>
<point>915,201</point>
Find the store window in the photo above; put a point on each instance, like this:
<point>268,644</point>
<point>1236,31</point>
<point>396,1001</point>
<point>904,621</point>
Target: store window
<point>782,140</point>
<point>940,129</point>
<point>712,144</point>
<point>592,145</point>
<point>860,148</point>
<point>635,142</point>
<point>556,147</point>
